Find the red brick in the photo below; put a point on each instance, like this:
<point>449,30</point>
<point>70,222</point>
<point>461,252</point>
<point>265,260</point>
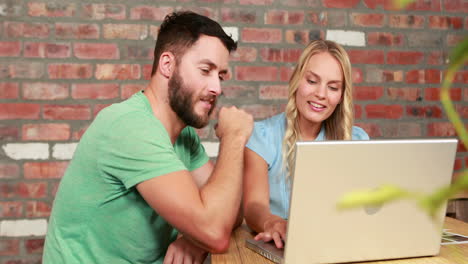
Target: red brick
<point>465,95</point>
<point>55,9</point>
<point>445,22</point>
<point>117,72</point>
<point>8,90</point>
<point>303,36</point>
<point>320,18</point>
<point>137,52</point>
<point>268,92</point>
<point>98,108</point>
<point>437,57</point>
<point>393,76</point>
<point>340,3</point>
<point>9,247</point>
<point>458,165</point>
<point>146,72</point>
<point>425,5</point>
<point>45,91</point>
<point>125,31</point>
<point>103,11</point>
<point>456,6</point>
<point>280,55</point>
<point>366,56</point>
<point>368,20</point>
<point>256,73</point>
<point>37,209</point>
<point>153,32</point>
<point>357,111</point>
<point>95,91</point>
<point>9,133</point>
<point>239,91</point>
<point>256,2</point>
<point>22,69</point>
<point>130,89</point>
<point>244,54</point>
<point>150,12</point>
<point>26,30</point>
<point>461,147</point>
<point>44,170</point>
<point>7,190</point>
<point>70,71</point>
<point>11,111</point>
<point>66,112</point>
<point>356,75</point>
<point>261,35</point>
<point>281,17</point>
<point>10,48</point>
<point>424,39</point>
<point>235,15</point>
<point>76,31</point>
<point>363,93</point>
<point>404,57</point>
<point>34,246</point>
<point>440,130</point>
<point>10,209</point>
<point>301,3</point>
<point>462,110</point>
<point>384,111</point>
<point>405,94</point>
<point>453,40</point>
<point>261,111</point>
<point>285,73</point>
<point>401,129</point>
<point>386,4</point>
<point>372,129</point>
<point>433,94</point>
<point>47,50</point>
<point>423,76</point>
<point>32,190</point>
<point>50,131</point>
<point>9,171</point>
<point>461,77</point>
<point>78,133</point>
<point>104,51</point>
<point>384,39</point>
<point>406,21</point>
<point>424,111</point>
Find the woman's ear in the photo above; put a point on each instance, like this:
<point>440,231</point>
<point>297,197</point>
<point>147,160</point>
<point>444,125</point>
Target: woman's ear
<point>166,64</point>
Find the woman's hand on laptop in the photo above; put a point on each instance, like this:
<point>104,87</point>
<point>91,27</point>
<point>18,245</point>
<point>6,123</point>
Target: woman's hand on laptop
<point>274,229</point>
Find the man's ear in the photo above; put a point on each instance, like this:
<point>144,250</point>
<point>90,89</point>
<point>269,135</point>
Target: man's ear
<point>167,63</point>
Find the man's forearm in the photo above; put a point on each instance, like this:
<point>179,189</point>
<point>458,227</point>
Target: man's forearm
<point>221,196</point>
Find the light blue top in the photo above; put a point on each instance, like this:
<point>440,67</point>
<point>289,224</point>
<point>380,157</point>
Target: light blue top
<point>267,141</point>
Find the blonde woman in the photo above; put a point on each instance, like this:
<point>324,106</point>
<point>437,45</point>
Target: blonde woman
<point>320,107</point>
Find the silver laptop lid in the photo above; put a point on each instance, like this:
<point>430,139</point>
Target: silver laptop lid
<point>325,171</point>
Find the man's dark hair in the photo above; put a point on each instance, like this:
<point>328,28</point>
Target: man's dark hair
<point>180,30</point>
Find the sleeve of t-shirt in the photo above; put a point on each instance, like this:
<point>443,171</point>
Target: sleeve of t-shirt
<point>137,148</point>
<point>359,134</point>
<point>198,156</point>
<point>260,142</point>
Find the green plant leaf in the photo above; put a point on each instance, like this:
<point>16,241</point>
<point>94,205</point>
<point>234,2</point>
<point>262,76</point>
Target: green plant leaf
<point>400,4</point>
<point>384,194</point>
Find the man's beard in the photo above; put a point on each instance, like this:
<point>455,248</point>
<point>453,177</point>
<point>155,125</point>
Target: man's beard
<point>182,102</point>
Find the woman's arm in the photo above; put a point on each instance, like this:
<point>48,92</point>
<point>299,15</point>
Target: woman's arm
<point>256,200</point>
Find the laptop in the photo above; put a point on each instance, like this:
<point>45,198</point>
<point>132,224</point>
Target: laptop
<point>326,170</point>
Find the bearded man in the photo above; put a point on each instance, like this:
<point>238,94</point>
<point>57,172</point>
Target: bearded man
<point>140,187</point>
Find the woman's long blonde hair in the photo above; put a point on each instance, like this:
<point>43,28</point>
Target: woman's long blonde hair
<point>339,125</point>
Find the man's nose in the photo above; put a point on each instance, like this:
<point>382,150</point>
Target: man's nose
<point>215,86</point>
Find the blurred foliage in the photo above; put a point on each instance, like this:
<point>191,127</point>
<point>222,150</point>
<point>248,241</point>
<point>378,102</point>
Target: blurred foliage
<point>431,203</point>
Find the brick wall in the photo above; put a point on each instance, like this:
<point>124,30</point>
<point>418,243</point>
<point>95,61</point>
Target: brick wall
<point>61,62</point>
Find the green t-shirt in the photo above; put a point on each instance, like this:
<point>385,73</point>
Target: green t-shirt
<point>98,215</point>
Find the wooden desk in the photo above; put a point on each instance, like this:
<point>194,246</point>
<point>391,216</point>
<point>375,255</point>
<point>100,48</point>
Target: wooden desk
<point>449,254</point>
